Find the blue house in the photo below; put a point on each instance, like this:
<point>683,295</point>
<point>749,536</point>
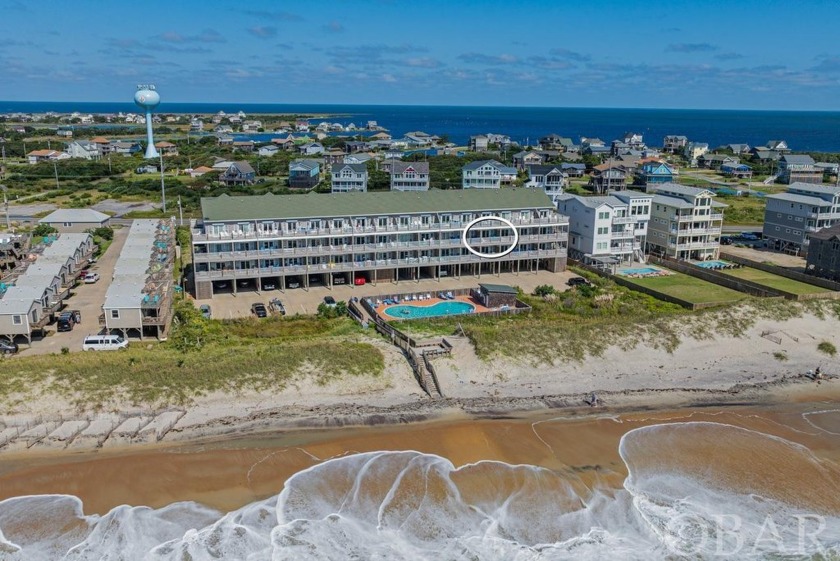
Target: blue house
<point>741,171</point>
<point>654,173</point>
<point>304,173</point>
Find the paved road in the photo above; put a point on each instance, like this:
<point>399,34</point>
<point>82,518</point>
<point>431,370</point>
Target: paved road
<point>87,298</point>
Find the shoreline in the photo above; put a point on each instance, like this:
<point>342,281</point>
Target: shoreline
<point>277,422</point>
<point>702,371</point>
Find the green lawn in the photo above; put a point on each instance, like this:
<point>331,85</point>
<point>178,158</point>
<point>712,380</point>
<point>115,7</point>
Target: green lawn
<point>690,289</point>
<point>774,281</point>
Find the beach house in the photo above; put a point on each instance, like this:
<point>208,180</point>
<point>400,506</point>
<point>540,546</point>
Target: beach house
<point>685,222</point>
<point>409,176</point>
<point>824,253</point>
<point>790,218</point>
<point>607,230</point>
<point>349,177</point>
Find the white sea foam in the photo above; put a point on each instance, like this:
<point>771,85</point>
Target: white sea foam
<point>414,506</point>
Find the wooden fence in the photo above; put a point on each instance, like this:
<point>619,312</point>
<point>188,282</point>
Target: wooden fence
<point>628,283</point>
<point>783,272</point>
<point>722,279</point>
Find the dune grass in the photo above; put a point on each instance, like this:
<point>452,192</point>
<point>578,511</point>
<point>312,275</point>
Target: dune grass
<point>202,356</point>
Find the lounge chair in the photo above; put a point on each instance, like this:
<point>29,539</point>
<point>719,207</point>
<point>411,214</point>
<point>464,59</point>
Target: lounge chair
<point>441,295</point>
<point>450,295</point>
<point>428,296</point>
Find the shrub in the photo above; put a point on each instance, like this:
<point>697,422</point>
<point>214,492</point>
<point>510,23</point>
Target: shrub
<point>105,233</point>
<point>827,348</point>
<point>544,290</point>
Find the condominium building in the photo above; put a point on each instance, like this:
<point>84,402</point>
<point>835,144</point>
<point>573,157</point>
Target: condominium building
<point>139,298</point>
<point>791,217</point>
<point>607,230</point>
<point>409,176</point>
<point>349,177</point>
<point>296,241</point>
<point>685,222</point>
<point>41,282</point>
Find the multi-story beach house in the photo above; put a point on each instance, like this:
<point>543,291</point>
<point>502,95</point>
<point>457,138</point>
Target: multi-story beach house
<point>321,239</point>
<point>799,168</point>
<point>685,222</point>
<point>483,174</point>
<point>304,174</point>
<point>607,230</point>
<point>824,253</point>
<point>409,176</point>
<point>349,177</point>
<point>608,177</point>
<point>674,143</point>
<point>654,173</point>
<point>790,218</point>
<point>551,179</point>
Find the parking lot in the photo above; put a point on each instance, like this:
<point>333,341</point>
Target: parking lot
<point>305,301</point>
<point>88,299</point>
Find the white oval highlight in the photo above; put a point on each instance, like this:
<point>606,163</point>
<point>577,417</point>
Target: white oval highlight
<point>505,221</point>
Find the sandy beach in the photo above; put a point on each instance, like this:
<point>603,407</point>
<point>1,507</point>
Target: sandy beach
<point>699,371</point>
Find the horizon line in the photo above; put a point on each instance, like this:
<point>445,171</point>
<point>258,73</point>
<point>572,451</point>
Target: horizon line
<point>251,103</point>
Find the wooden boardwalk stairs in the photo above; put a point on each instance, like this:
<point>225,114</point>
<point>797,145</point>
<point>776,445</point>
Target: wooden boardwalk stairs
<point>418,354</point>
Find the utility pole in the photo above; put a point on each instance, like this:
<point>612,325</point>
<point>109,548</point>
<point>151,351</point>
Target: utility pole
<point>6,207</point>
<point>109,163</point>
<point>180,211</point>
<point>55,167</point>
<point>162,186</point>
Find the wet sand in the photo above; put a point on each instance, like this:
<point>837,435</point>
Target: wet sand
<point>230,472</point>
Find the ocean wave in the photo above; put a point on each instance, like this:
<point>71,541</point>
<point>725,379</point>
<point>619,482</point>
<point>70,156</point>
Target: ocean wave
<point>694,489</point>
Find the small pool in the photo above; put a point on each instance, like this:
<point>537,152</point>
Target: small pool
<point>405,311</point>
<point>640,271</point>
<point>713,264</point>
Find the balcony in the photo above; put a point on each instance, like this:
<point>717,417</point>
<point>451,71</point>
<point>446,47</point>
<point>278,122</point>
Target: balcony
<point>623,220</point>
<point>367,264</point>
<point>200,235</point>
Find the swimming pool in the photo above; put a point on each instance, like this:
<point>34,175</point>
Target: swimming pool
<point>640,271</point>
<point>714,264</point>
<point>405,311</point>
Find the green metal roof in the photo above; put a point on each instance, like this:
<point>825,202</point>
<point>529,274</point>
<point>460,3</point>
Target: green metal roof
<point>498,288</point>
<point>317,205</point>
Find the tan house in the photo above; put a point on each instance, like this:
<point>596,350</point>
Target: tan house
<point>76,220</point>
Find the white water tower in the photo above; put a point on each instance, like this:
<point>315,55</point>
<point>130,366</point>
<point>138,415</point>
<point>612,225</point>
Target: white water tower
<point>147,98</point>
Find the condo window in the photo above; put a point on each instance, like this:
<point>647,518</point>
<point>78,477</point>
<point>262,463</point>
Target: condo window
<point>17,320</point>
<point>336,223</point>
<point>444,218</point>
<point>403,220</point>
<point>115,314</point>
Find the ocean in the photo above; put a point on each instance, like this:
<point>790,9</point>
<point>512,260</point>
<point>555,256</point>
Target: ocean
<point>816,131</point>
<point>748,483</point>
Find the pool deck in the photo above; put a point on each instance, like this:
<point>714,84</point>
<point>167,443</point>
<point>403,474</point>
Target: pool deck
<point>380,309</point>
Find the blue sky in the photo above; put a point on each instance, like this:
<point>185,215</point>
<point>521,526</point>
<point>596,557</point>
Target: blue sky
<point>740,54</point>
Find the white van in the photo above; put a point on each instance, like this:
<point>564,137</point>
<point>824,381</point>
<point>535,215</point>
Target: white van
<point>104,343</point>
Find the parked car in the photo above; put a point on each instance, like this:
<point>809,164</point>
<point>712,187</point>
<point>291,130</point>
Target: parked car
<point>8,347</point>
<point>339,279</point>
<point>749,236</point>
<point>359,281</point>
<point>293,284</point>
<point>91,278</point>
<point>276,306</point>
<point>577,281</point>
<point>726,240</point>
<point>104,343</point>
<point>66,321</point>
<point>329,301</point>
<point>205,311</point>
<point>259,310</point>
<point>269,285</point>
